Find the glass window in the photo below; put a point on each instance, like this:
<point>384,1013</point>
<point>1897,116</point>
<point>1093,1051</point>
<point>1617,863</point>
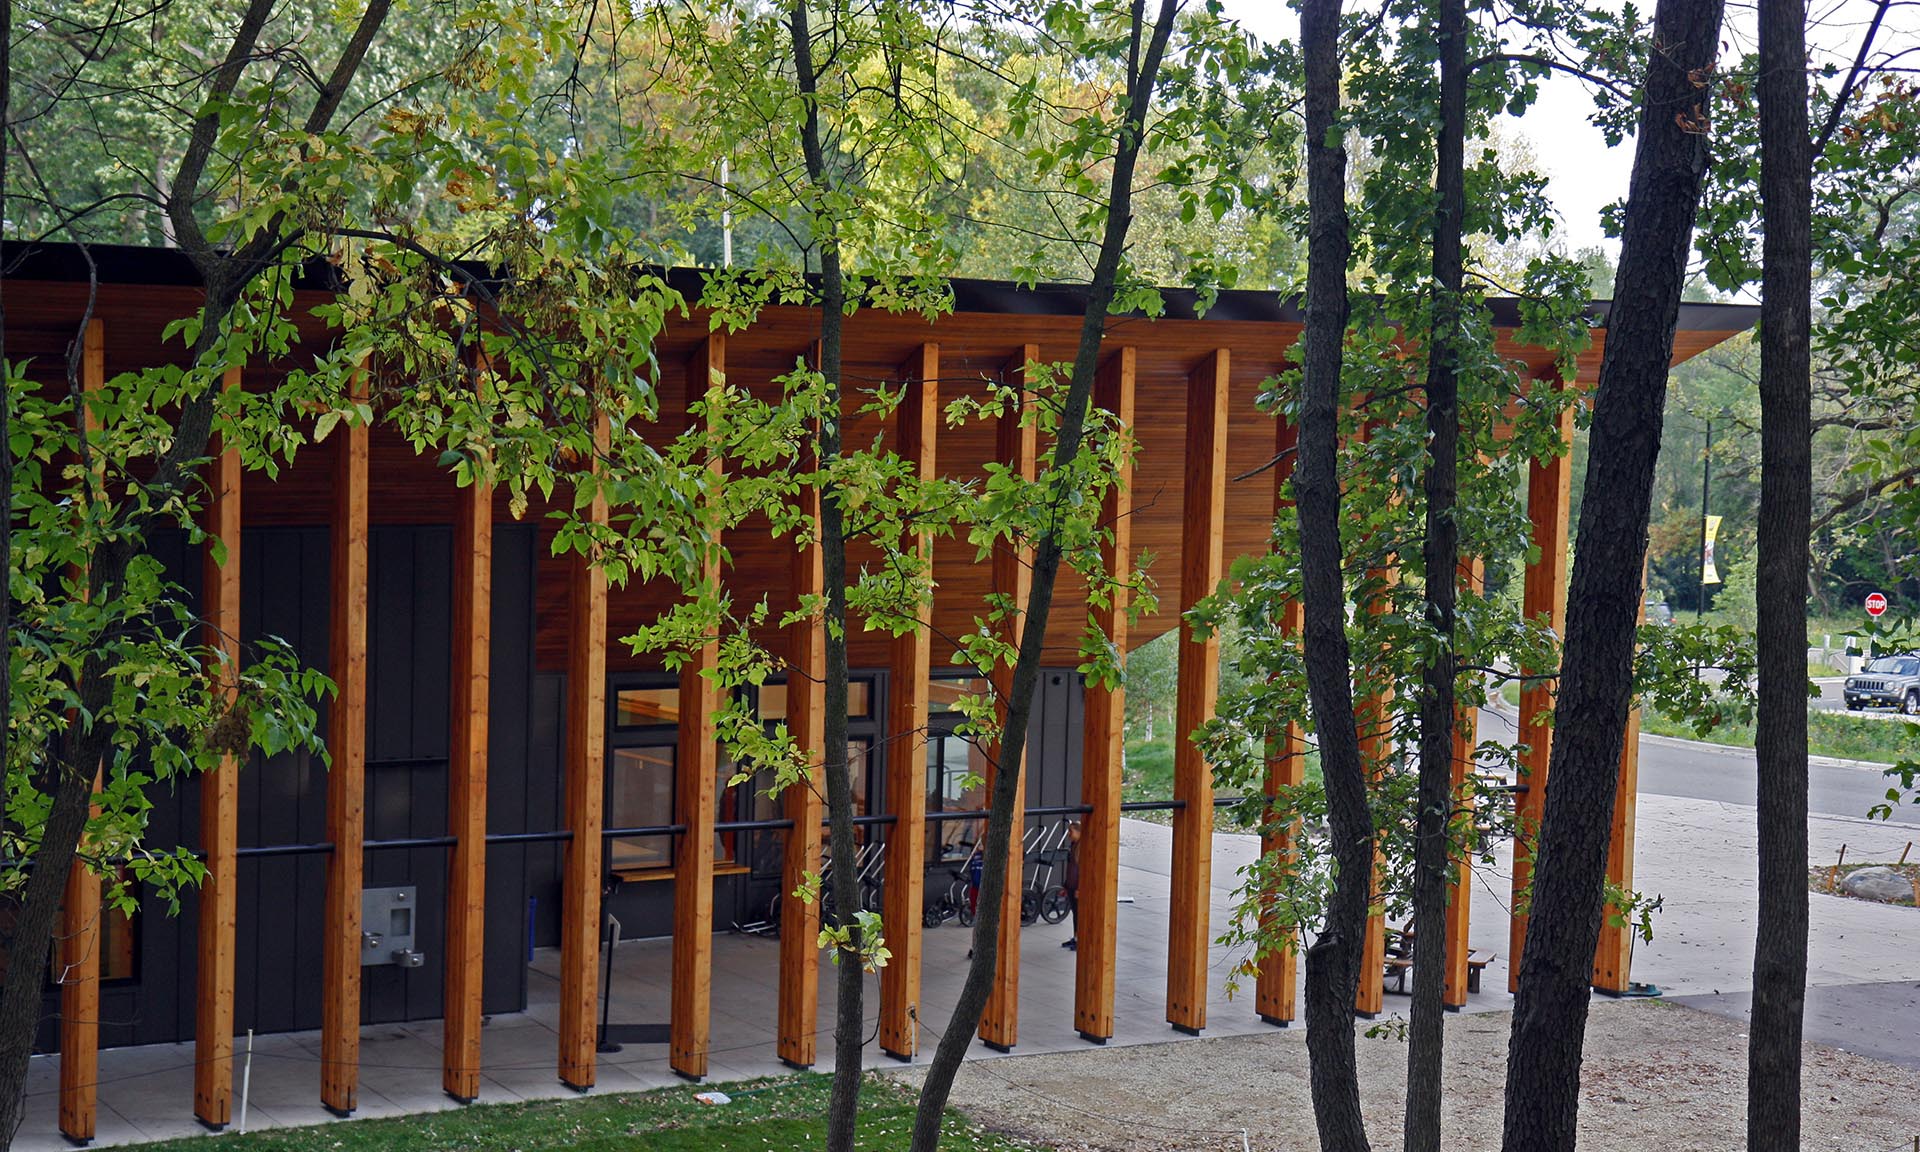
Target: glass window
<point>728,806</point>
<point>641,797</point>
<point>773,700</point>
<point>859,774</point>
<point>760,805</point>
<point>116,945</point>
<point>638,707</point>
<point>950,761</point>
<point>943,695</point>
<point>116,941</point>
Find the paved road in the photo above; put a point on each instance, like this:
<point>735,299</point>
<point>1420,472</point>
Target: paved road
<point>1871,1019</point>
<point>1713,772</point>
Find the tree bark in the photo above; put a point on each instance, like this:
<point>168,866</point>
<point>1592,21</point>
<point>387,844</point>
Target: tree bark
<point>1596,676</point>
<point>6,418</point>
<point>1441,555</point>
<point>225,279</point>
<point>1785,531</point>
<point>1143,75</point>
<point>849,977</point>
<point>1333,960</point>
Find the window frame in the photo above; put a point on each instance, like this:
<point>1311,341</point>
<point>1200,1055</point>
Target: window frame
<point>940,728</point>
<point>752,853</point>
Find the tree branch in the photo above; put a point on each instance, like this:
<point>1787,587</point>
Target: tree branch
<point>206,130</point>
<point>1839,108</point>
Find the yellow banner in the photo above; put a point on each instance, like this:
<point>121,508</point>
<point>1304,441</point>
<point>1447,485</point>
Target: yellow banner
<point>1708,573</point>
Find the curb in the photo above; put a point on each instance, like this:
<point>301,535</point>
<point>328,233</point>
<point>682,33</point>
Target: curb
<point>1874,766</point>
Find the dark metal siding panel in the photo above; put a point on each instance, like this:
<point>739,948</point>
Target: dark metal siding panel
<point>509,736</point>
<point>1076,742</point>
<point>152,1005</point>
<point>273,792</point>
<point>409,650</point>
<point>390,716</point>
<point>432,647</point>
<point>283,800</point>
<point>310,872</point>
<point>423,988</point>
<point>545,747</point>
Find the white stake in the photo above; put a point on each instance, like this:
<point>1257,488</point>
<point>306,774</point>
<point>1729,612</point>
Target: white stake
<point>246,1080</point>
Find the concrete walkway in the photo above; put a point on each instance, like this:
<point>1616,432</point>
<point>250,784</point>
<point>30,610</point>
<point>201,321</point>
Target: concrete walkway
<point>1697,855</point>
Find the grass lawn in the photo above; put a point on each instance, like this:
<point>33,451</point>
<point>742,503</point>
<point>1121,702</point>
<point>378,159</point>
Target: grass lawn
<point>1828,734</point>
<point>765,1114</point>
<point>1149,775</point>
<point>1149,771</point>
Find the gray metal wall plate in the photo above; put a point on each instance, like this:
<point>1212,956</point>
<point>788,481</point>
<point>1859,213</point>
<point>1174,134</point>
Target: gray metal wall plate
<point>388,918</point>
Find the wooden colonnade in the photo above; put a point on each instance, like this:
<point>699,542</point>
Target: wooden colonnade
<point>1202,564</point>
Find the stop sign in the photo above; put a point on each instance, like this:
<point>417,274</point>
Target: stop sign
<point>1876,604</point>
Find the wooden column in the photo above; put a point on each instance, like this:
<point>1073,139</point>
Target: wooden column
<point>906,736</point>
<point>1103,742</point>
<point>1016,446</point>
<point>80,1002</point>
<point>799,1004</point>
<point>467,787</point>
<point>1202,560</point>
<point>584,793</point>
<point>346,778</point>
<point>1544,598</point>
<point>696,771</point>
<point>1466,734</point>
<point>1613,956</point>
<point>80,906</point>
<point>1373,718</point>
<point>1275,982</point>
<point>219,804</point>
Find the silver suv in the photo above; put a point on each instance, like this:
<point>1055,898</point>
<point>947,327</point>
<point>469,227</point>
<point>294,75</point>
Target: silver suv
<point>1887,682</point>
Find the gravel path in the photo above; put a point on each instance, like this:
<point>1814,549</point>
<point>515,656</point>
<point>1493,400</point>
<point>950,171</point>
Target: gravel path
<point>1659,1078</point>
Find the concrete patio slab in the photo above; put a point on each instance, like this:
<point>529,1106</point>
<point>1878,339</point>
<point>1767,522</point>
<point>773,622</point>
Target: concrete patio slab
<point>1696,855</point>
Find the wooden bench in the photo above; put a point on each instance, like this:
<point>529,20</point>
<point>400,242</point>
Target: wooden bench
<point>1397,969</point>
<point>1476,962</point>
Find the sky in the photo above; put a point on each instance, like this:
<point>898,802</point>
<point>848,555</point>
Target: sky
<point>1584,175</point>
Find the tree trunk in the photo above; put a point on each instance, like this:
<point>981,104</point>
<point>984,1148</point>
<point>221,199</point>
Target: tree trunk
<point>225,279</point>
<point>6,436</point>
<point>32,935</point>
<point>1434,803</point>
<point>82,751</point>
<point>995,876</point>
<point>1596,673</point>
<point>1333,960</point>
<point>849,976</point>
<point>1786,512</point>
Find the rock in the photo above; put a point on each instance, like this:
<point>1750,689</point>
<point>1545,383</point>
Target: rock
<point>1877,883</point>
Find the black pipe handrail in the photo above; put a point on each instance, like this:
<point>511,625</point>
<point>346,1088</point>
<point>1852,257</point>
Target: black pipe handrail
<point>752,825</point>
<point>414,842</point>
<point>277,850</point>
<point>563,835</point>
<point>1061,810</point>
<point>407,762</point>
